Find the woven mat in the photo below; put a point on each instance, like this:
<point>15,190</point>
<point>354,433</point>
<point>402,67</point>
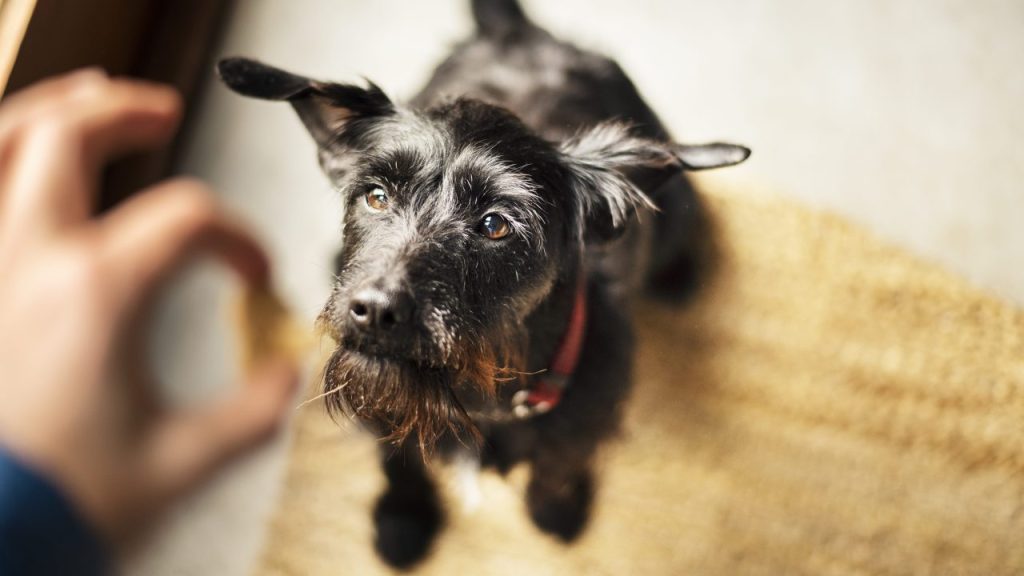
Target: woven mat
<point>829,405</point>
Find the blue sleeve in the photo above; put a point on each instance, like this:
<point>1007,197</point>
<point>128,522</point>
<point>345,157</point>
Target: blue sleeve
<point>40,532</point>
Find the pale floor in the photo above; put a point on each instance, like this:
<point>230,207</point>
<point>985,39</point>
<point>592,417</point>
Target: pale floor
<point>903,116</point>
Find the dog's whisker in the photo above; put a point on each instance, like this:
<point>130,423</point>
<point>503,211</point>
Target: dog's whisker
<point>336,390</point>
<point>507,370</point>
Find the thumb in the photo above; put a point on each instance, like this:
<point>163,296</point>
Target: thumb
<point>189,447</point>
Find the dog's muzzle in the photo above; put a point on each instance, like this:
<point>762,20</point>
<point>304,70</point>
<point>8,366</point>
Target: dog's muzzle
<point>381,321</point>
<point>376,311</point>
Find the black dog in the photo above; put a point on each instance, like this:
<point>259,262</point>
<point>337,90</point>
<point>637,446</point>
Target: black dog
<point>494,231</point>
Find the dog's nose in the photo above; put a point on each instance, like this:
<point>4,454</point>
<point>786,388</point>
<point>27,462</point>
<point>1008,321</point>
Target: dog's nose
<point>373,309</point>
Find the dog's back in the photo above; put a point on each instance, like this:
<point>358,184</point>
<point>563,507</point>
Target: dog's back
<point>557,89</point>
<point>553,86</point>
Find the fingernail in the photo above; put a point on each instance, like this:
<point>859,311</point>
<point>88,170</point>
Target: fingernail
<point>90,72</point>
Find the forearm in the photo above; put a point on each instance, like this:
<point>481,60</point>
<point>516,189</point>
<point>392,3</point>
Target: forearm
<point>40,531</point>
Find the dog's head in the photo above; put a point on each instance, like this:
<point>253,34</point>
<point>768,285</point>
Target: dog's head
<point>457,223</point>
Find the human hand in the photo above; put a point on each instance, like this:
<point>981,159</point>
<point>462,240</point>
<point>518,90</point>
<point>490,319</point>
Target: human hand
<point>74,402</point>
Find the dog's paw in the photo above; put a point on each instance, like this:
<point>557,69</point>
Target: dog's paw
<point>407,524</point>
<point>562,511</point>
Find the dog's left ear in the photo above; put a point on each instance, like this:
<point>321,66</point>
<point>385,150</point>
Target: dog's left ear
<point>610,169</point>
<point>328,110</point>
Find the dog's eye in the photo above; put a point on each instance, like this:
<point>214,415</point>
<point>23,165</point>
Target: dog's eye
<point>376,200</point>
<point>494,227</point>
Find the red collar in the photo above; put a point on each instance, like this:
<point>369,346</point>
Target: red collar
<point>547,390</point>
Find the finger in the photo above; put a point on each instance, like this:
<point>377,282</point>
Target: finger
<point>152,234</point>
<point>28,104</point>
<point>188,448</point>
<point>55,159</point>
<point>126,116</point>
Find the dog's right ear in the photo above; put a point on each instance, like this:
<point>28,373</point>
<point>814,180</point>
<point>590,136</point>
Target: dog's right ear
<point>329,110</point>
<point>610,169</point>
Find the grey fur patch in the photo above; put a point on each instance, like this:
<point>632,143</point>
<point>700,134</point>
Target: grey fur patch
<point>599,158</point>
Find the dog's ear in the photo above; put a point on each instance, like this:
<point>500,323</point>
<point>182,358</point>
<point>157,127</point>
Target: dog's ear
<point>327,109</point>
<point>610,169</point>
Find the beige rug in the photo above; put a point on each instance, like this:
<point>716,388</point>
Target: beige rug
<point>830,405</point>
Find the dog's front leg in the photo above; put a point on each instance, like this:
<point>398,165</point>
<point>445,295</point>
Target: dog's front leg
<point>408,514</point>
<point>560,491</point>
<point>566,439</point>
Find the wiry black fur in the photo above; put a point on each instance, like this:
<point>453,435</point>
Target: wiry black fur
<point>558,143</point>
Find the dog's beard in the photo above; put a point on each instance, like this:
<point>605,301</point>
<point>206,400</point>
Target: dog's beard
<point>401,398</point>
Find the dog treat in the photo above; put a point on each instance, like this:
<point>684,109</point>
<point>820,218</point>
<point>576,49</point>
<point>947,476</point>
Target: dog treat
<point>267,329</point>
